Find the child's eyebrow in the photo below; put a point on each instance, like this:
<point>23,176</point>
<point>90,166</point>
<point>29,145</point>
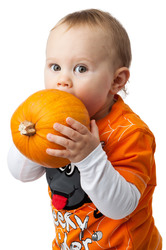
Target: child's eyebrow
<point>77,59</point>
<point>84,59</point>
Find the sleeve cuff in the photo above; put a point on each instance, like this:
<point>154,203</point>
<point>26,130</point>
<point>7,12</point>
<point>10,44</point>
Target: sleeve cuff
<point>94,157</point>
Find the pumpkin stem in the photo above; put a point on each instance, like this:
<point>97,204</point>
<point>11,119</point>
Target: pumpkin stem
<point>27,128</point>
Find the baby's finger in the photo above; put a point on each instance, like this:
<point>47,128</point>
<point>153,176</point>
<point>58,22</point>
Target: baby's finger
<point>57,153</point>
<point>77,126</point>
<point>65,142</point>
<point>67,131</point>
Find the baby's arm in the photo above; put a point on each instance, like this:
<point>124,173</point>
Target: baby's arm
<point>110,192</point>
<point>22,168</point>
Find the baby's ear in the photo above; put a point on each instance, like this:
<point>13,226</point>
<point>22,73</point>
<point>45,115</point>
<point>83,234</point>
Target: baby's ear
<point>121,77</point>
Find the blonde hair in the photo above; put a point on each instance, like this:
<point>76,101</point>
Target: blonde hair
<point>94,17</point>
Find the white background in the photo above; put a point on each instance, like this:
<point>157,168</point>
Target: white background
<point>25,214</point>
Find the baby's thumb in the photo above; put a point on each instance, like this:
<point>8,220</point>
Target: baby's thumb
<point>94,129</point>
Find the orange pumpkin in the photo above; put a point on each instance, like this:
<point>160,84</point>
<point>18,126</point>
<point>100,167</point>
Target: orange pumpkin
<point>34,119</point>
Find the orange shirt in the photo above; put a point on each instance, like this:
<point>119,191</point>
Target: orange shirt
<point>130,147</point>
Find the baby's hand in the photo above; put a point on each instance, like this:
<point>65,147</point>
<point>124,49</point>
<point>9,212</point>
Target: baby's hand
<point>80,142</point>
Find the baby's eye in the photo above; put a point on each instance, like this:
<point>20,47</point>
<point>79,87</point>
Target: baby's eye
<point>55,67</point>
<point>80,69</point>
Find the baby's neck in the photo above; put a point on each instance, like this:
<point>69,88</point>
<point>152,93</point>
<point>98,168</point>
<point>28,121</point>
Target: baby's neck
<point>104,111</point>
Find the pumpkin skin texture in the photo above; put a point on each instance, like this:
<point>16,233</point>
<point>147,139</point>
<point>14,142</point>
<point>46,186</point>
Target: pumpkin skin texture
<point>43,109</point>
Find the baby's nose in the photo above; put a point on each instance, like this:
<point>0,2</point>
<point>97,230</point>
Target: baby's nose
<point>64,84</point>
<point>64,81</point>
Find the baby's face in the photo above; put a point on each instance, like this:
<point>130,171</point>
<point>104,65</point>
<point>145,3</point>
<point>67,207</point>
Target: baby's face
<point>77,62</point>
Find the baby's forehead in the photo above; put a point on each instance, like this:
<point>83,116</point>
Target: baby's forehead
<point>84,31</point>
<point>79,34</point>
<point>84,40</point>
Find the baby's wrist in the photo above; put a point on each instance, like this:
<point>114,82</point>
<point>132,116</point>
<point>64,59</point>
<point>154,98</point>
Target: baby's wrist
<point>89,160</point>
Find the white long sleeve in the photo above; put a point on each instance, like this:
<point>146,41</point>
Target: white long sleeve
<point>22,168</point>
<point>110,192</point>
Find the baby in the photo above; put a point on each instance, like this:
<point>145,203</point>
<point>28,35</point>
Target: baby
<point>103,199</point>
